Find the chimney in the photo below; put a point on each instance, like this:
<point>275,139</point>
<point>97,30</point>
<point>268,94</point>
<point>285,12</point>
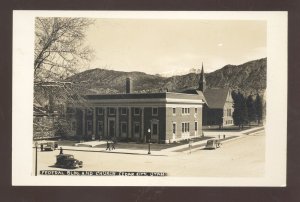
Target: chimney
<point>129,88</point>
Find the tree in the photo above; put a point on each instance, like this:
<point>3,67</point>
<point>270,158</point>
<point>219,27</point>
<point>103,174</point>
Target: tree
<point>58,53</point>
<point>259,108</point>
<point>59,47</point>
<point>240,113</point>
<point>251,109</point>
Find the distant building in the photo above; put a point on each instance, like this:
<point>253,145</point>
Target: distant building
<point>169,116</point>
<point>218,107</point>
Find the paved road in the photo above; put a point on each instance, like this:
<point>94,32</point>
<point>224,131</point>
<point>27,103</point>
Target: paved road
<point>243,157</point>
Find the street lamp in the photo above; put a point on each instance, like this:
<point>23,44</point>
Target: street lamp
<point>149,140</point>
<point>36,148</point>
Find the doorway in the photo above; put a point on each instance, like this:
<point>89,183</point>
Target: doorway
<point>111,127</point>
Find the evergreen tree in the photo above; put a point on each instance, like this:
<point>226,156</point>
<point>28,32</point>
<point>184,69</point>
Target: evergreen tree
<point>251,109</point>
<point>259,108</point>
<point>236,115</point>
<point>244,111</point>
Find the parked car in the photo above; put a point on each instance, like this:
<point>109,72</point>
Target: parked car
<point>212,144</point>
<point>48,146</point>
<point>67,161</point>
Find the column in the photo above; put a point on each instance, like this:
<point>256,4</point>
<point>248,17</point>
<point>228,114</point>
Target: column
<point>94,123</point>
<point>142,123</point>
<point>129,123</point>
<point>105,121</point>
<point>117,122</point>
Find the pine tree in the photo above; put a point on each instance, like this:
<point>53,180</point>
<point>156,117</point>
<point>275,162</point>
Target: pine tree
<point>251,109</point>
<point>259,108</point>
<point>244,111</point>
<point>236,115</point>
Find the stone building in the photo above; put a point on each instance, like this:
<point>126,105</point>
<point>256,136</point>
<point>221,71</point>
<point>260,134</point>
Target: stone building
<point>169,116</point>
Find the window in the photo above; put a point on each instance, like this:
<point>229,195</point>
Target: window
<point>100,111</point>
<point>174,111</point>
<point>196,126</point>
<point>136,128</point>
<point>124,111</point>
<point>136,111</point>
<point>154,128</point>
<point>100,127</point>
<point>89,125</point>
<point>196,110</point>
<point>188,110</point>
<point>185,110</point>
<point>182,127</point>
<point>112,111</point>
<point>154,111</point>
<point>89,112</point>
<point>182,110</point>
<point>188,127</point>
<point>73,125</point>
<point>124,127</point>
<point>174,128</point>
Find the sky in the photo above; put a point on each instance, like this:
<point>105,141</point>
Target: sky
<point>158,46</point>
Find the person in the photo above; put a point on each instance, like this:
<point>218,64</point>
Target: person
<point>113,143</point>
<point>108,145</point>
<point>61,150</point>
<point>190,146</point>
<point>42,147</point>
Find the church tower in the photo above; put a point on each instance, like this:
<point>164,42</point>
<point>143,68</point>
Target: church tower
<point>202,82</point>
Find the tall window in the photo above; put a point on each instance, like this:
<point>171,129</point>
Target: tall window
<point>196,126</point>
<point>154,111</point>
<point>182,127</point>
<point>136,128</point>
<point>154,128</point>
<point>182,110</point>
<point>174,111</point>
<point>174,128</point>
<point>124,128</point>
<point>196,110</point>
<point>89,125</point>
<point>73,125</point>
<point>100,127</point>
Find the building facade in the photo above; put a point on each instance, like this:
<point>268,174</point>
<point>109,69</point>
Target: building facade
<point>168,116</point>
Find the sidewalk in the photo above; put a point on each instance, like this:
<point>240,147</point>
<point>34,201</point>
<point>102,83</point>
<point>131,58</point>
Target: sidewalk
<point>119,151</point>
<point>229,136</point>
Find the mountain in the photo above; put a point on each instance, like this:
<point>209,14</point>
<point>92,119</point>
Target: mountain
<point>249,78</point>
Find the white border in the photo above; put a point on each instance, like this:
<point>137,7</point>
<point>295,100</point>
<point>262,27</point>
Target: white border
<point>276,127</point>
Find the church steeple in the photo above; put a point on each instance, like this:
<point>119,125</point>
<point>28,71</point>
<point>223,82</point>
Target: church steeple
<point>202,82</point>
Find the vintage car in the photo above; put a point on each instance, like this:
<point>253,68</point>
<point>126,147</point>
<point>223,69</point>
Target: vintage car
<point>213,144</point>
<point>67,161</point>
<point>48,146</point>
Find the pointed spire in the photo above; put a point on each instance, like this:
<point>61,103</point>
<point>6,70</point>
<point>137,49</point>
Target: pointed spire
<point>202,82</point>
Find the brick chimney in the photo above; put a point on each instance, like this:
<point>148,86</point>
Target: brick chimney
<point>129,88</point>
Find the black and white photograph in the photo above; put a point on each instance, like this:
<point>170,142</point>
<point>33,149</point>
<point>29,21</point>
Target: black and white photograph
<point>149,98</point>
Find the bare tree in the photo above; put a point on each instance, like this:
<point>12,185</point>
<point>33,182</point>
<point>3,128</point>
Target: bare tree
<point>59,52</point>
<point>59,47</point>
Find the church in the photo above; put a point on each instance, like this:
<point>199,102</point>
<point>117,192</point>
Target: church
<point>218,107</point>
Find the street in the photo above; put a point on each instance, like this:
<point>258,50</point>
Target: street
<point>241,157</point>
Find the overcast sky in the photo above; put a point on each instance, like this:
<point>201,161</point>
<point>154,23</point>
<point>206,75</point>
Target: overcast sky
<point>157,46</point>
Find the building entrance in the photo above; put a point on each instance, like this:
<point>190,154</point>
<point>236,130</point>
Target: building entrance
<point>111,128</point>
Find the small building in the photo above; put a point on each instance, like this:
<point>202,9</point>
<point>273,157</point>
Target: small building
<point>168,116</point>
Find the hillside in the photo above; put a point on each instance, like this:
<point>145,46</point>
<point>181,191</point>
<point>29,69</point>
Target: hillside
<point>249,78</point>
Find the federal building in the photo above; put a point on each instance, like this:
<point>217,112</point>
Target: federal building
<point>166,116</point>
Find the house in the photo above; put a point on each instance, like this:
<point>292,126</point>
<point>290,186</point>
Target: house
<point>218,107</point>
<point>166,116</point>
